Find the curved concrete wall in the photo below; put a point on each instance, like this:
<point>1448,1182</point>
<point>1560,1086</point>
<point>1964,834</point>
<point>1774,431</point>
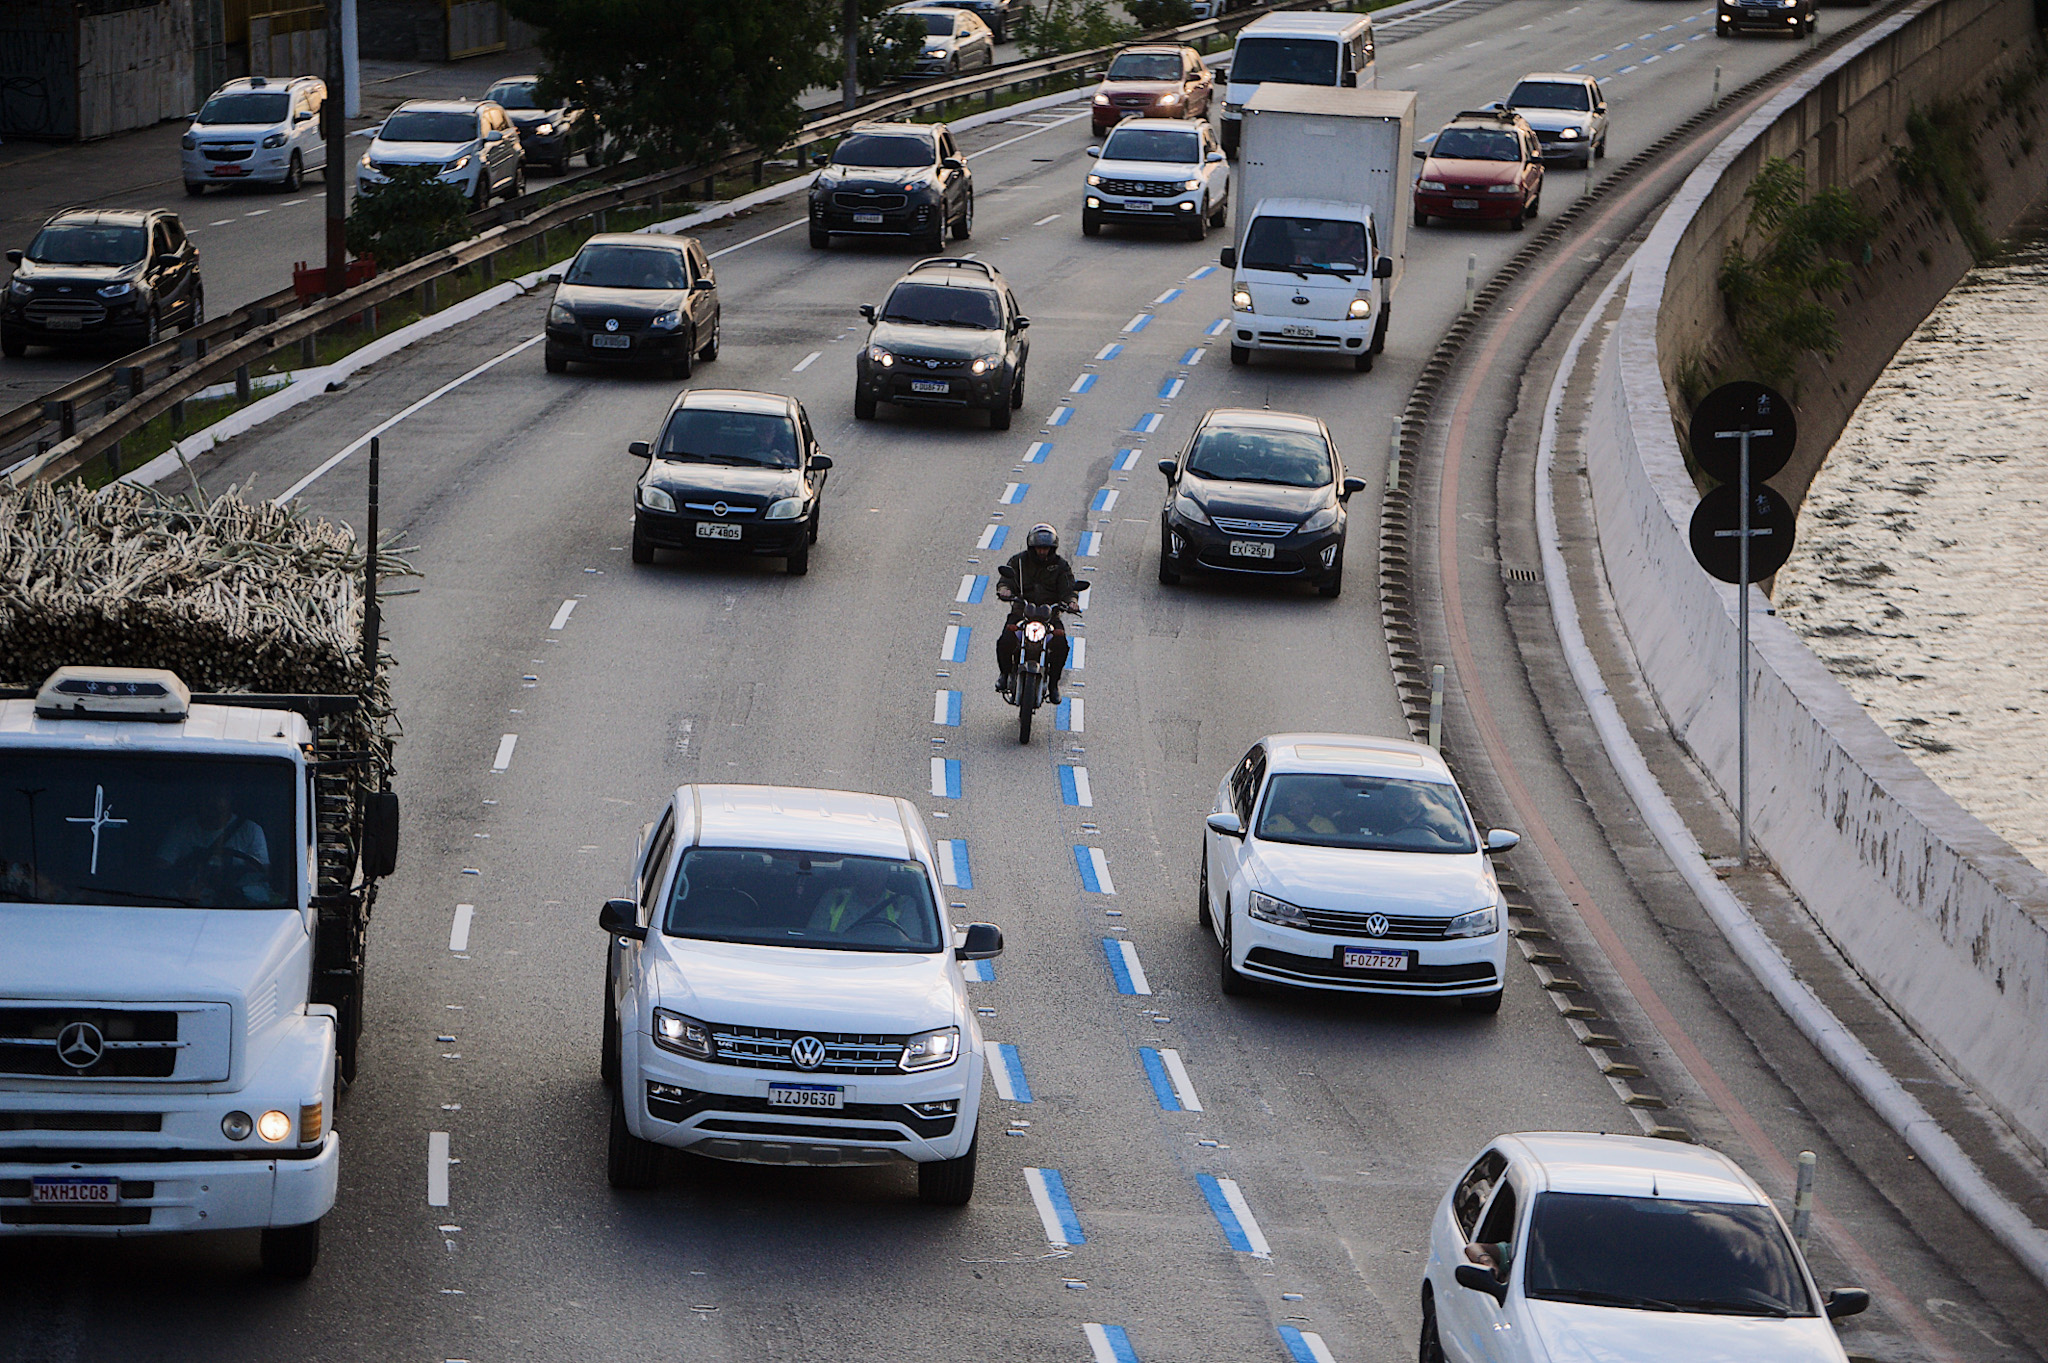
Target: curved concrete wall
<point>1944,919</point>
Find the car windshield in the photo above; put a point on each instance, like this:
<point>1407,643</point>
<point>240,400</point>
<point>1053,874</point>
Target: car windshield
<point>627,267</point>
<point>515,94</point>
<point>82,244</point>
<point>1145,66</point>
<point>1551,94</point>
<point>1662,1254</point>
<point>803,899</point>
<point>428,126</point>
<point>1265,455</point>
<point>944,305</point>
<point>699,435</point>
<point>1366,813</point>
<point>936,25</point>
<point>1153,144</point>
<point>129,828</point>
<point>1305,246</point>
<point>883,150</point>
<point>1288,61</point>
<point>1477,144</point>
<point>265,108</point>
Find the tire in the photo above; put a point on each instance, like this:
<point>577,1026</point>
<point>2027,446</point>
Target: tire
<point>156,329</point>
<point>799,563</point>
<point>608,1050</point>
<point>1363,363</point>
<point>1168,576</point>
<point>294,175</point>
<point>1379,333</point>
<point>554,361</point>
<point>629,1162</point>
<point>348,1022</point>
<point>643,552</point>
<point>518,185</point>
<point>1216,219</point>
<point>817,514</point>
<point>1421,218</point>
<point>193,190</point>
<point>934,242</point>
<point>1600,148</point>
<point>1240,354</point>
<point>1026,687</point>
<point>13,347</point>
<point>1486,1004</point>
<point>1535,207</point>
<point>1202,914</point>
<point>195,311</point>
<point>1333,586</point>
<point>999,415</point>
<point>1090,226</point>
<point>291,1251</point>
<point>1198,230</point>
<point>863,407</point>
<point>481,198</point>
<point>1430,1349</point>
<point>820,239</point>
<point>1233,984</point>
<point>1017,389</point>
<point>709,351</point>
<point>679,368</point>
<point>1521,221</point>
<point>948,1182</point>
<point>964,228</point>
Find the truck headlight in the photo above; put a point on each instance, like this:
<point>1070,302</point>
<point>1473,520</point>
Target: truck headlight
<point>881,356</point>
<point>1478,923</point>
<point>683,1035</point>
<point>1267,909</point>
<point>931,1050</point>
<point>786,509</point>
<point>273,1126</point>
<point>236,1126</point>
<point>1102,99</point>
<point>656,499</point>
<point>1241,298</point>
<point>1169,98</point>
<point>1361,306</point>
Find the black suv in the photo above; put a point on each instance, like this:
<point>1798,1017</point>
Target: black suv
<point>894,180</point>
<point>949,335</point>
<point>97,275</point>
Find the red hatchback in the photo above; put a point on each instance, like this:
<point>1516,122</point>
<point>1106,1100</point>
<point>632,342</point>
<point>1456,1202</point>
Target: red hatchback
<point>1165,80</point>
<point>1485,166</point>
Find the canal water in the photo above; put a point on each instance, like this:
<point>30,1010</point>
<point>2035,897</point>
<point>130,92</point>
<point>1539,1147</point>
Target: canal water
<point>1921,572</point>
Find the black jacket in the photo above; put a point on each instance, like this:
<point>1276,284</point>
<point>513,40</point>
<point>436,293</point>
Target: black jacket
<point>1050,583</point>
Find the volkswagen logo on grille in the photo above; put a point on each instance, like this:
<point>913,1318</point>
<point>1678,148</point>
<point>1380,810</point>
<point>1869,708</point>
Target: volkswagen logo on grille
<point>719,508</point>
<point>807,1052</point>
<point>612,323</point>
<point>80,1045</point>
<point>1376,925</point>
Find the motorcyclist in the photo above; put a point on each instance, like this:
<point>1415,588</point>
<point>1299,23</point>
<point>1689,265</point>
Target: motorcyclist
<point>1037,574</point>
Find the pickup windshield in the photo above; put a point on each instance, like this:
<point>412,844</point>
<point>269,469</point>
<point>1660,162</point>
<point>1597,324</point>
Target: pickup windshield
<point>1662,1254</point>
<point>823,900</point>
<point>131,828</point>
<point>1286,61</point>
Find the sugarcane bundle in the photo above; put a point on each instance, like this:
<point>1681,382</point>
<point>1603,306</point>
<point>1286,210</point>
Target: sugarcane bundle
<point>232,594</point>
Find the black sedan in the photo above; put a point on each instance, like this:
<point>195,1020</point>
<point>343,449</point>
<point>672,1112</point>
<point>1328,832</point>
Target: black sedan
<point>550,132</point>
<point>635,298</point>
<point>1260,494</point>
<point>94,276</point>
<point>949,335</point>
<point>732,471</point>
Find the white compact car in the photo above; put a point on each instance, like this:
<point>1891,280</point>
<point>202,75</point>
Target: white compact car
<point>470,144</point>
<point>256,129</point>
<point>1163,172</point>
<point>1339,862</point>
<point>783,988</point>
<point>1556,1246</point>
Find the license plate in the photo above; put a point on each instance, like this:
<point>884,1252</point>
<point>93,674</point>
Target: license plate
<point>74,1190</point>
<point>1468,204</point>
<point>65,324</point>
<point>1137,205</point>
<point>611,342</point>
<point>1250,549</point>
<point>830,1096</point>
<point>1365,958</point>
<point>867,217</point>
<point>707,531</point>
<point>930,386</point>
<point>228,170</point>
<point>1306,333</point>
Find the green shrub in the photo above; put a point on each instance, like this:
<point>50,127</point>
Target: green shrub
<point>413,214</point>
<point>1776,297</point>
<point>1940,159</point>
<point>1075,26</point>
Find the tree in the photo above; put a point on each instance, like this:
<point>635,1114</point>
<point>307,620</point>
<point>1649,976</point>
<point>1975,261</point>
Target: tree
<point>1074,26</point>
<point>413,214</point>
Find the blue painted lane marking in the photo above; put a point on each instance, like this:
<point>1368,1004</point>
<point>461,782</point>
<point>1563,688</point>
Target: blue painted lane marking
<point>1226,1200</point>
<point>1110,351</point>
<point>978,972</point>
<point>1090,545</point>
<point>1305,1346</point>
<point>1218,327</point>
<point>1083,384</point>
<point>1055,1208</point>
<point>1170,389</point>
<point>971,588</point>
<point>1067,715</point>
<point>954,649</point>
<point>1601,58</point>
<point>1124,967</point>
<point>1580,67</point>
<point>1162,1083</point>
<point>1109,1344</point>
<point>953,868</point>
<point>1008,1074</point>
<point>1074,787</point>
<point>946,778</point>
<point>992,537</point>
<point>1126,460</point>
<point>946,708</point>
<point>1204,272</point>
<point>1138,323</point>
<point>1654,56</point>
<point>1078,657</point>
<point>1061,417</point>
<point>1148,423</point>
<point>1094,869</point>
<point>1014,493</point>
<point>1193,357</point>
<point>1104,500</point>
<point>1040,451</point>
<point>1166,297</point>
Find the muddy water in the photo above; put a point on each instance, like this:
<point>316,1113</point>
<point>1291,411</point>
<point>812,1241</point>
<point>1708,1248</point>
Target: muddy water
<point>1921,575</point>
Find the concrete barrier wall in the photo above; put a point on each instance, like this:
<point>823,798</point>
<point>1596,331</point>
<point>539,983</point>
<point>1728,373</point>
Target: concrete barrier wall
<point>1938,913</point>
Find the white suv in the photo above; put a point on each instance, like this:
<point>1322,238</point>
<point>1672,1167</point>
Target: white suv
<point>781,987</point>
<point>256,129</point>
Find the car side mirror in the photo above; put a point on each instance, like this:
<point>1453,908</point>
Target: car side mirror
<point>1022,324</point>
<point>1383,268</point>
<point>14,257</point>
<point>821,462</point>
<point>984,940</point>
<point>495,135</point>
<point>1847,1301</point>
<point>952,163</point>
<point>1095,152</point>
<point>621,918</point>
<point>1171,468</point>
<point>1226,823</point>
<point>1501,840</point>
<point>166,259</point>
<point>1227,258</point>
<point>640,449</point>
<point>700,285</point>
<point>1421,154</point>
<point>821,158</point>
<point>1214,157</point>
<point>1481,1280</point>
<point>867,310</point>
<point>1351,485</point>
<point>380,834</point>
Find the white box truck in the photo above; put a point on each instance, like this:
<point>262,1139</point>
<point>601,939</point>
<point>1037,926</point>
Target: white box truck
<point>1319,226</point>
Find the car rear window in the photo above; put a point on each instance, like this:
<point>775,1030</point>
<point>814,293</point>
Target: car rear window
<point>883,150</point>
<point>424,126</point>
<point>803,899</point>
<point>1145,66</point>
<point>266,107</point>
<point>1551,94</point>
<point>1153,144</point>
<point>627,267</point>
<point>943,305</point>
<point>1366,813</point>
<point>1662,1254</point>
<point>1477,144</point>
<point>88,244</point>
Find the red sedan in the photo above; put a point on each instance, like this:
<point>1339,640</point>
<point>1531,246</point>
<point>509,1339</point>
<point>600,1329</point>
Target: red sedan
<point>1485,166</point>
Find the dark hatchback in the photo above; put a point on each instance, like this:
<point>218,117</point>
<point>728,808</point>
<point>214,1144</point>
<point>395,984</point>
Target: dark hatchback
<point>894,180</point>
<point>99,276</point>
<point>949,335</point>
<point>1260,494</point>
<point>549,133</point>
<point>1796,17</point>
<point>635,298</point>
<point>732,471</point>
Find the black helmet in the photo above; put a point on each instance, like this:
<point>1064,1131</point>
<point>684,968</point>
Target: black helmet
<point>1042,536</point>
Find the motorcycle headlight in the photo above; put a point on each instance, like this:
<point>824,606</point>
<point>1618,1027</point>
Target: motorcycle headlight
<point>1267,909</point>
<point>189,142</point>
<point>457,164</point>
<point>931,1050</point>
<point>1361,306</point>
<point>1034,631</point>
<point>668,321</point>
<point>981,366</point>
<point>273,142</point>
<point>1568,134</point>
<point>1188,508</point>
<point>1433,186</point>
<point>121,290</point>
<point>544,130</point>
<point>656,499</point>
<point>683,1035</point>
<point>1241,298</point>
<point>1478,923</point>
<point>560,316</point>
<point>1320,520</point>
<point>881,356</point>
<point>786,509</point>
<point>1503,189</point>
<point>1094,179</point>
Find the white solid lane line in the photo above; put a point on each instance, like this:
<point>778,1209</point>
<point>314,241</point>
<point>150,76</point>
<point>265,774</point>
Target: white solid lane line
<point>771,232</point>
<point>458,931</point>
<point>1046,219</point>
<point>1246,1222</point>
<point>437,1168</point>
<point>1183,1087</point>
<point>562,615</point>
<point>806,362</point>
<point>504,757</point>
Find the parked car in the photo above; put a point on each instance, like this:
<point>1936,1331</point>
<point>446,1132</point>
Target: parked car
<point>733,471</point>
<point>1257,493</point>
<point>782,987</point>
<point>471,141</point>
<point>955,40</point>
<point>1796,17</point>
<point>1485,166</point>
<point>949,335</point>
<point>256,129</point>
<point>1568,114</point>
<point>1333,861</point>
<point>1157,80</point>
<point>894,180</point>
<point>635,298</point>
<point>1161,172</point>
<point>99,275</point>
<point>550,133</point>
<point>1557,1245</point>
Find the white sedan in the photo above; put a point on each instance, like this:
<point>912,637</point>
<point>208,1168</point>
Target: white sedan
<point>1338,862</point>
<point>1556,1247</point>
<point>1159,172</point>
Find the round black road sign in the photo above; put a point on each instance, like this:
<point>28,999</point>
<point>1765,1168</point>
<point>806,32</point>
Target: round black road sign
<point>1721,418</point>
<point>1716,532</point>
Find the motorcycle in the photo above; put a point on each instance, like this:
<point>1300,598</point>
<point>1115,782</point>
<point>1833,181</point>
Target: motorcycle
<point>1029,683</point>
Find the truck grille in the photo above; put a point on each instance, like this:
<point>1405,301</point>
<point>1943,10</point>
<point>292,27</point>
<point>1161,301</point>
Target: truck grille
<point>767,1048</point>
<point>1141,188</point>
<point>184,1042</point>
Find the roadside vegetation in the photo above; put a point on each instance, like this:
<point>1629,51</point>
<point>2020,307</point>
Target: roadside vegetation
<point>1778,293</point>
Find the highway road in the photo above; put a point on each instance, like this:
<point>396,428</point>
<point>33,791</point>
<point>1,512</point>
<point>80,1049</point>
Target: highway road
<point>1340,1122</point>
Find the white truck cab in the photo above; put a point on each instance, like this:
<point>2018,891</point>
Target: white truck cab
<point>176,964</point>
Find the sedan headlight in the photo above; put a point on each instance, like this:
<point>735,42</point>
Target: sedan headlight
<point>931,1050</point>
<point>1094,179</point>
<point>1267,909</point>
<point>1478,923</point>
<point>544,130</point>
<point>560,316</point>
<point>656,499</point>
<point>881,356</point>
<point>457,164</point>
<point>668,321</point>
<point>1503,189</point>
<point>1241,298</point>
<point>273,142</point>
<point>189,142</point>
<point>683,1035</point>
<point>121,290</point>
<point>1568,134</point>
<point>1361,306</point>
<point>786,509</point>
<point>1320,520</point>
<point>1188,508</point>
<point>1433,186</point>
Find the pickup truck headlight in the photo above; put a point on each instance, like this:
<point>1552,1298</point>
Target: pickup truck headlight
<point>683,1035</point>
<point>1478,923</point>
<point>881,356</point>
<point>1169,98</point>
<point>237,1126</point>
<point>273,142</point>
<point>1503,189</point>
<point>1267,909</point>
<point>931,1050</point>
<point>1432,186</point>
<point>1102,99</point>
<point>656,499</point>
<point>786,509</point>
<point>273,1126</point>
<point>1188,508</point>
<point>1241,298</point>
<point>1320,520</point>
<point>1361,306</point>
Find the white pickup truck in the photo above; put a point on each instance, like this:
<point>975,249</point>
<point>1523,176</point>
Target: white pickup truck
<point>184,888</point>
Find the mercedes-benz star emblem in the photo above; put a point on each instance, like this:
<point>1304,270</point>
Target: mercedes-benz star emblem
<point>807,1052</point>
<point>719,508</point>
<point>611,324</point>
<point>1376,925</point>
<point>80,1045</point>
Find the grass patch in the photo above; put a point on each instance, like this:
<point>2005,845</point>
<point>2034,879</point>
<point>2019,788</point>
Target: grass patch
<point>1939,158</point>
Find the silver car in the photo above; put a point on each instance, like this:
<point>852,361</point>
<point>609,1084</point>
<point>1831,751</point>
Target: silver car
<point>955,40</point>
<point>470,144</point>
<point>1568,112</point>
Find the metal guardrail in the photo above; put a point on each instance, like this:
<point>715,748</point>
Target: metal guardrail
<point>259,329</point>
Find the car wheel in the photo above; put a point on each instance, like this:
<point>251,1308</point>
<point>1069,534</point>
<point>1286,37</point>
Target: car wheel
<point>1720,30</point>
<point>948,1182</point>
<point>554,361</point>
<point>13,347</point>
<point>799,562</point>
<point>1198,230</point>
<point>1520,221</point>
<point>935,240</point>
<point>1487,1004</point>
<point>679,368</point>
<point>1535,206</point>
<point>1431,1349</point>
<point>820,239</point>
<point>629,1161</point>
<point>193,190</point>
<point>710,350</point>
<point>964,228</point>
<point>294,175</point>
<point>999,414</point>
<point>1168,575</point>
<point>481,196</point>
<point>1222,211</point>
<point>155,330</point>
<point>1421,218</point>
<point>518,186</point>
<point>1600,148</point>
<point>1240,354</point>
<point>1202,914</point>
<point>1091,226</point>
<point>195,311</point>
<point>643,552</point>
<point>863,407</point>
<point>1017,389</point>
<point>290,1251</point>
<point>608,1050</point>
<point>1234,984</point>
<point>1363,363</point>
<point>1379,333</point>
<point>817,516</point>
